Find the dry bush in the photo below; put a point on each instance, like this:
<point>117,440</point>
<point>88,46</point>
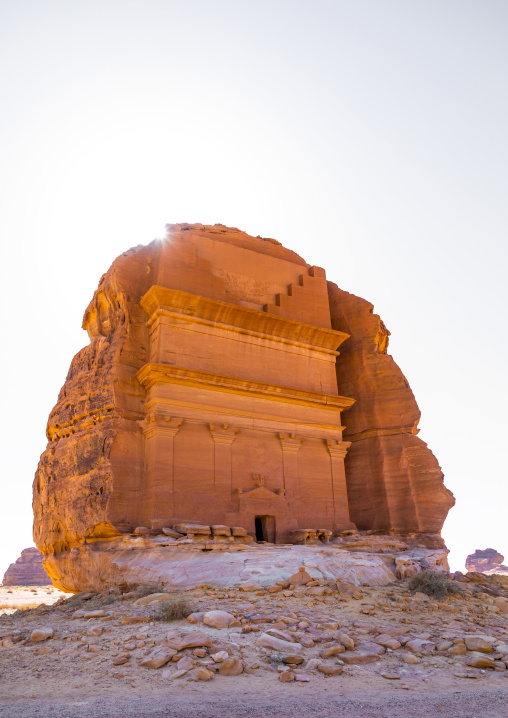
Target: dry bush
<point>109,599</point>
<point>173,609</point>
<point>433,583</point>
<point>148,588</point>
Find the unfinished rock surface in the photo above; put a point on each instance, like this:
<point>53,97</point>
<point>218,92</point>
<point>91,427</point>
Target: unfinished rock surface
<point>212,393</point>
<point>394,480</point>
<point>27,570</point>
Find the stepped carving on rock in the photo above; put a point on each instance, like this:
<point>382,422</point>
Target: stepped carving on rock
<point>213,396</point>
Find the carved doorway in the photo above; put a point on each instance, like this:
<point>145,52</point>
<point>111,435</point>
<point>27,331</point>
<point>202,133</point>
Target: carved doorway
<point>265,528</point>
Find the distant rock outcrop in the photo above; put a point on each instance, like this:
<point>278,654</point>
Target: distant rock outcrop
<point>27,570</point>
<point>486,561</point>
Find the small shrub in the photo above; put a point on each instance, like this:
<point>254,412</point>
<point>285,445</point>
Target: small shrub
<point>434,584</point>
<point>147,588</point>
<point>75,601</point>
<point>173,609</point>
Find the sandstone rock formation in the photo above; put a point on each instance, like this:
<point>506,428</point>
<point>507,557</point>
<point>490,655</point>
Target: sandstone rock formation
<point>394,480</point>
<point>212,392</point>
<point>27,570</point>
<point>486,561</point>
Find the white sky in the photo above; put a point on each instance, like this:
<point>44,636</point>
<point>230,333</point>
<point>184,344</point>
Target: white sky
<point>367,135</point>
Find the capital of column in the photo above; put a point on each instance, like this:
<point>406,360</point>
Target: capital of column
<point>290,442</point>
<point>223,433</point>
<point>158,424</point>
<point>337,448</point>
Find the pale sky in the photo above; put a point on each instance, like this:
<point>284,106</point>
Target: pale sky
<point>370,136</point>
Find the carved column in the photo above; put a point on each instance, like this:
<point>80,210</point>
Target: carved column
<point>223,436</point>
<point>290,444</point>
<point>338,450</point>
<point>160,431</point>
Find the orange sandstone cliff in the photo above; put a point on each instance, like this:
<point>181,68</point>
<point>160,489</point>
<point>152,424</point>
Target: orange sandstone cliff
<point>394,480</point>
<point>212,391</point>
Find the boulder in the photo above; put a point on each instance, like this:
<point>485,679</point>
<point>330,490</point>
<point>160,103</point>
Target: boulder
<point>480,660</point>
<point>300,578</point>
<point>218,619</point>
<point>478,643</point>
<point>188,640</point>
<point>277,644</point>
<point>421,646</point>
<point>41,634</point>
<point>231,667</point>
<point>158,658</point>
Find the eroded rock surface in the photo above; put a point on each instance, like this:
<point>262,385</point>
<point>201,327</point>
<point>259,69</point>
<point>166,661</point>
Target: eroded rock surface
<point>394,480</point>
<point>212,394</point>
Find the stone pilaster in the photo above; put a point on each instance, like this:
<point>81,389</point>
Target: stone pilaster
<point>160,431</point>
<point>338,450</point>
<point>290,444</point>
<point>223,436</point>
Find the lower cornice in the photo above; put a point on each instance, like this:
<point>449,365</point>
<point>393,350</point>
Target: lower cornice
<point>151,374</point>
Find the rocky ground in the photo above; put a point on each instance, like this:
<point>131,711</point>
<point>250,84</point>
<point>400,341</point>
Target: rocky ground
<point>321,649</point>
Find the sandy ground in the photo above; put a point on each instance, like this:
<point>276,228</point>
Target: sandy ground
<point>14,597</point>
<point>233,699</point>
<point>73,674</point>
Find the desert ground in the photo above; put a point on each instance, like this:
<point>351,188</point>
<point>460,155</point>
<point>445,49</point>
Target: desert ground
<point>385,652</point>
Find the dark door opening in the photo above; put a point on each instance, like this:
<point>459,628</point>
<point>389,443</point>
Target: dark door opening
<point>265,528</point>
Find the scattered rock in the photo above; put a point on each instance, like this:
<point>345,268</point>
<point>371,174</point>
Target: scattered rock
<point>189,640</point>
<point>346,641</point>
<point>218,619</point>
<point>94,614</point>
<point>458,649</point>
<point>293,658</point>
<point>332,651</point>
<point>409,658</point>
<point>231,667</point>
<point>478,643</point>
<point>220,656</point>
<point>158,658</point>
<point>41,634</point>
<point>204,674</point>
<point>186,663</point>
<point>287,677</point>
<point>277,644</point>
<point>300,578</point>
<point>330,670</point>
<point>479,660</point>
<point>419,645</point>
<point>360,658</point>
<point>196,617</point>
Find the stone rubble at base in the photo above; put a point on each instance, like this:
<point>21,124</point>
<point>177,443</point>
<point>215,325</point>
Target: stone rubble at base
<point>385,633</point>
